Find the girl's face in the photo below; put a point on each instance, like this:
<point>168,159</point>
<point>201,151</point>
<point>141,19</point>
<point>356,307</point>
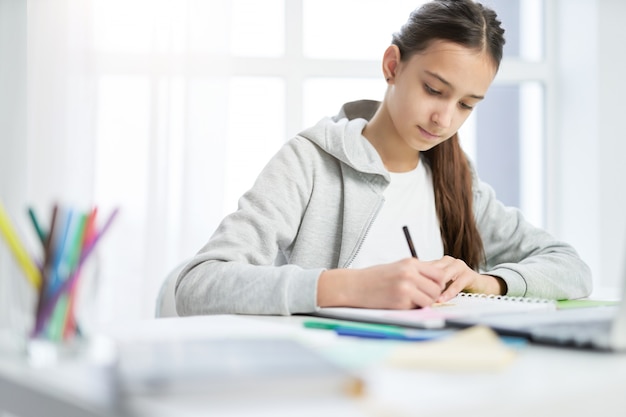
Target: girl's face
<point>435,91</point>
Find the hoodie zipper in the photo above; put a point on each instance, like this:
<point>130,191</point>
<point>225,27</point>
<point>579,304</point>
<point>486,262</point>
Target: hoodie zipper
<point>369,226</point>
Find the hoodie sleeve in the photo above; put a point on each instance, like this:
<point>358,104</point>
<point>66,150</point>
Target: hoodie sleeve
<point>235,271</point>
<point>527,258</point>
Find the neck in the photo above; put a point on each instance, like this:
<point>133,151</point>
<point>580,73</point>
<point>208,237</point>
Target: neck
<point>396,155</point>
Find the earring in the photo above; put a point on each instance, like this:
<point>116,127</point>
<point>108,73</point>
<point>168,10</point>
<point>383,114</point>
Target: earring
<point>387,79</point>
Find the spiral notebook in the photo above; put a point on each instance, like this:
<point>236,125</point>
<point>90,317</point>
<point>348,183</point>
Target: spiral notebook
<point>463,306</point>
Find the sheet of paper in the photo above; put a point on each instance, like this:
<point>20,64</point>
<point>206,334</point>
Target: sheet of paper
<point>435,316</point>
<point>477,348</point>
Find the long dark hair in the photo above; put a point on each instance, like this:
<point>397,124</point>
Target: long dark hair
<point>474,26</point>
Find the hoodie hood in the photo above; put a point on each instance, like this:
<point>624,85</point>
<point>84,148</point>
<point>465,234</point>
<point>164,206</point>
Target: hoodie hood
<point>342,137</point>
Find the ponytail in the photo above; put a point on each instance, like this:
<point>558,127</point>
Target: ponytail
<point>452,183</point>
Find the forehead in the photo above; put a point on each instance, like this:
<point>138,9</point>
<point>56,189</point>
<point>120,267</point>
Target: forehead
<point>468,70</point>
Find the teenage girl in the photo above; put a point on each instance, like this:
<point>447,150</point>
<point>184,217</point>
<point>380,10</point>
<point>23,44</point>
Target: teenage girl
<point>323,224</point>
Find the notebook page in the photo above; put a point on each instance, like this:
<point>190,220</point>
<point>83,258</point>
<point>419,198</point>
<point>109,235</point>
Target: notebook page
<point>462,306</point>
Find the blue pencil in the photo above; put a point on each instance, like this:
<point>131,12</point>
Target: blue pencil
<point>407,336</point>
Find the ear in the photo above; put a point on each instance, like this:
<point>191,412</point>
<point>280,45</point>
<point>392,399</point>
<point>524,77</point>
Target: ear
<point>391,61</point>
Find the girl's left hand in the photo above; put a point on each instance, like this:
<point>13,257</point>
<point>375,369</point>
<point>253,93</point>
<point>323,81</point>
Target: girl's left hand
<point>460,277</point>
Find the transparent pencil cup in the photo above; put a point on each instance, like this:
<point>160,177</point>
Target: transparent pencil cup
<point>69,312</point>
<point>16,305</point>
<point>66,317</point>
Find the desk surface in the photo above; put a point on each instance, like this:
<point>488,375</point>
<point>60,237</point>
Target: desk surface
<point>540,380</point>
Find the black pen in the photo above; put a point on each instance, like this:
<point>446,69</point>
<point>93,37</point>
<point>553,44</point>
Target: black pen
<point>409,241</point>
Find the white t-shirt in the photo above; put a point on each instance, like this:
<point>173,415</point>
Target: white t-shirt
<point>410,201</point>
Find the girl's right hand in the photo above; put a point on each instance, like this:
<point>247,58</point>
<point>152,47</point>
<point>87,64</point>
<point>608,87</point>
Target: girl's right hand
<point>398,285</point>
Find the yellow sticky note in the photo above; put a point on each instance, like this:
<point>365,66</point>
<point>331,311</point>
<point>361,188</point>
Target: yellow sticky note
<point>477,348</point>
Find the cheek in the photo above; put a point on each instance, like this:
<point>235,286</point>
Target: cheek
<point>460,120</point>
<point>405,106</point>
<point>416,107</point>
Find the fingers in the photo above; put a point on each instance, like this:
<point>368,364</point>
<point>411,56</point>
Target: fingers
<point>437,278</point>
<point>453,272</point>
<point>409,289</point>
<point>411,283</point>
<point>451,291</point>
<point>427,293</point>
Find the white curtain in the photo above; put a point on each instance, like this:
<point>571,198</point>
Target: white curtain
<point>125,106</point>
<point>15,293</point>
<point>167,109</point>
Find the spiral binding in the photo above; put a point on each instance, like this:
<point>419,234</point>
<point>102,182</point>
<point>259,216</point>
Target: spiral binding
<point>507,298</point>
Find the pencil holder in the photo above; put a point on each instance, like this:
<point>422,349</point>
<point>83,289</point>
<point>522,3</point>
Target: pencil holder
<point>67,315</point>
<point>63,277</point>
<point>16,306</point>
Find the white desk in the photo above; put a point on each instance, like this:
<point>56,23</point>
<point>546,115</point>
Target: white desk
<point>541,380</point>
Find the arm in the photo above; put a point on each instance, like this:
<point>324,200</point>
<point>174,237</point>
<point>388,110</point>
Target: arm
<point>529,260</point>
<point>235,272</point>
<point>398,285</point>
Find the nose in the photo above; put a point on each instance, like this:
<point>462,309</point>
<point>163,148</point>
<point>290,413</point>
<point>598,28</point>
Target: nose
<point>442,116</point>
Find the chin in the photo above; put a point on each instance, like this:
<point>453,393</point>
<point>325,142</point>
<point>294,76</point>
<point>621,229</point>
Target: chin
<point>423,147</point>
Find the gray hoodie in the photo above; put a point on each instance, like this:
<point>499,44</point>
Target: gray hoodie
<point>309,210</point>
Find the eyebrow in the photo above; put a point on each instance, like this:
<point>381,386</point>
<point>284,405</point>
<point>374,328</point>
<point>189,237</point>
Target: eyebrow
<point>446,82</point>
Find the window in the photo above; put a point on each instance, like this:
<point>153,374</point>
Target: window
<point>194,97</point>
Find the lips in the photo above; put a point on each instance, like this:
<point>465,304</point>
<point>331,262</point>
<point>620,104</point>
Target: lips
<point>427,134</point>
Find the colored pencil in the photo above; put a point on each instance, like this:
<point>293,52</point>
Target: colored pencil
<point>24,260</point>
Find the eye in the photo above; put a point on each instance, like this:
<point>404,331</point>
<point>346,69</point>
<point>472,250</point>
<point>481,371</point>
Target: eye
<point>465,106</point>
<point>431,90</point>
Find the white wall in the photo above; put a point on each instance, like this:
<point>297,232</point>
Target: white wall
<point>13,92</point>
<point>611,140</point>
<point>588,203</point>
<point>12,145</point>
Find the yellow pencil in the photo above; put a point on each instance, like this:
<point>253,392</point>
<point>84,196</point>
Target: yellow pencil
<point>21,255</point>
